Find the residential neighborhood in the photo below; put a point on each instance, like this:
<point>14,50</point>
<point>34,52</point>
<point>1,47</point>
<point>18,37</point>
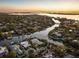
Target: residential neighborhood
<point>16,40</point>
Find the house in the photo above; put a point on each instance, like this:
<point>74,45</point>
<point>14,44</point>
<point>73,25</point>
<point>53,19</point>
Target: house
<point>3,51</point>
<point>25,44</point>
<point>36,41</point>
<point>17,49</point>
<point>57,36</point>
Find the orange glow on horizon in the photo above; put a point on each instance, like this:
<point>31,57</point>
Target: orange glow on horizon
<point>35,8</point>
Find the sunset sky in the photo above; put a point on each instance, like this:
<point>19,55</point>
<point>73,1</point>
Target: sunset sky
<point>39,5</point>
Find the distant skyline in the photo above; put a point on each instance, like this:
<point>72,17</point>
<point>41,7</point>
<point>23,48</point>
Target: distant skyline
<point>39,5</point>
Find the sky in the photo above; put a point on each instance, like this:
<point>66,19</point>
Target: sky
<point>36,5</point>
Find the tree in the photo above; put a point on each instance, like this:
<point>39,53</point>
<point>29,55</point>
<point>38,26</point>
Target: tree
<point>12,54</point>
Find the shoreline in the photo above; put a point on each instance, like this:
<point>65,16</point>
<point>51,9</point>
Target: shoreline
<point>37,34</point>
